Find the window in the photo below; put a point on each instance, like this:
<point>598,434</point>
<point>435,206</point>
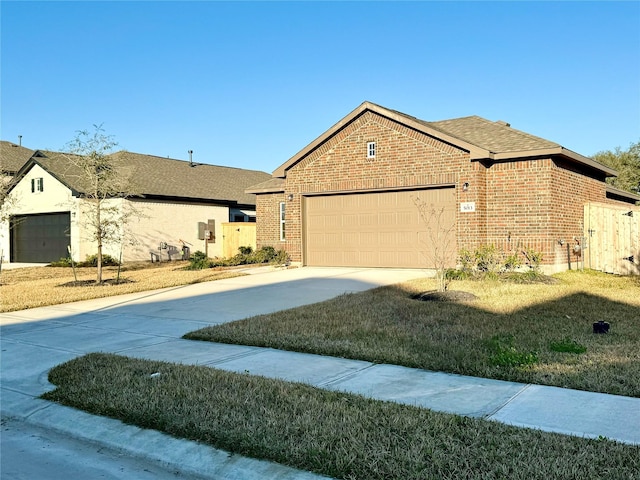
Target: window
<point>37,185</point>
<point>371,150</point>
<point>282,236</point>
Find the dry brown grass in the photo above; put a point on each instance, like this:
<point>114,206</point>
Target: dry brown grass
<point>32,287</point>
<point>336,434</point>
<point>507,333</point>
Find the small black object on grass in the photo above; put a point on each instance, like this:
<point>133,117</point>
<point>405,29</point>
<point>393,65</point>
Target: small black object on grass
<point>601,327</point>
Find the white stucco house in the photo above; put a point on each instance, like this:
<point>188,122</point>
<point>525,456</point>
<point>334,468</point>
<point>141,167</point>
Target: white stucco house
<point>177,202</point>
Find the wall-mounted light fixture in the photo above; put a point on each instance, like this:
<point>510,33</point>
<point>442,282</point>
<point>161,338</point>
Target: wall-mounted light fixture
<point>290,197</point>
<point>465,186</point>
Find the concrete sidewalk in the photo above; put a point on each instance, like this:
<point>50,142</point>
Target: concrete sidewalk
<point>149,325</point>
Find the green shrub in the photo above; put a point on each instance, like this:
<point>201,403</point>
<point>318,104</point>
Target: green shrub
<point>90,261</point>
<point>198,261</point>
<point>264,255</point>
<point>281,257</point>
<point>245,256</point>
<point>512,262</point>
<point>485,263</point>
<point>486,257</point>
<point>63,262</point>
<point>453,274</point>
<point>467,261</point>
<point>534,258</point>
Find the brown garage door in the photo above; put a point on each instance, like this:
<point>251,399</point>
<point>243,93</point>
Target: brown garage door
<point>381,229</point>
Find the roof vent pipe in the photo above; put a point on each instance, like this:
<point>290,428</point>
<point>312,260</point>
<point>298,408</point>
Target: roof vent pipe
<point>20,140</point>
<point>190,152</point>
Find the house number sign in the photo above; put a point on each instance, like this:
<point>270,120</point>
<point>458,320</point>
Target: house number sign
<point>467,207</point>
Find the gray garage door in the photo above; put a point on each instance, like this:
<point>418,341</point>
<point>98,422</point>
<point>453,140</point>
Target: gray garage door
<point>39,238</point>
<point>381,229</point>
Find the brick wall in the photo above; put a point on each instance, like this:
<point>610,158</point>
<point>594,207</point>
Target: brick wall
<point>518,204</point>
<point>267,216</point>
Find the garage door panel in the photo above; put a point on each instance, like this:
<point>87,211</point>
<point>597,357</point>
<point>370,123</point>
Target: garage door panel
<point>387,219</point>
<point>39,238</point>
<point>381,229</point>
<point>351,238</point>
<point>386,239</point>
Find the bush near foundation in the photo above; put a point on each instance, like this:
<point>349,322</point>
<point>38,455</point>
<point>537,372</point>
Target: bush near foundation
<point>245,256</point>
<point>486,261</point>
<point>90,261</point>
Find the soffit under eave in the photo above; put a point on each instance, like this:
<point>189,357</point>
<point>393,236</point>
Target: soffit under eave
<point>622,193</point>
<point>258,191</point>
<point>475,152</point>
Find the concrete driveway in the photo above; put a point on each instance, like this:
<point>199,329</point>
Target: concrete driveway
<point>149,325</point>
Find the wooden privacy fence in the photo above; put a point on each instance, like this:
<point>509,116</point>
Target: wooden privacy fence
<point>236,235</point>
<point>613,238</point>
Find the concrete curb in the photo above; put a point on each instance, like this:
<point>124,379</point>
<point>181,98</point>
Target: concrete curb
<point>187,457</point>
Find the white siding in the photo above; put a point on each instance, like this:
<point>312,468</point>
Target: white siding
<point>172,222</point>
<point>55,197</point>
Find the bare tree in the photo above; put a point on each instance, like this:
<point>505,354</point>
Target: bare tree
<point>439,240</point>
<point>105,180</point>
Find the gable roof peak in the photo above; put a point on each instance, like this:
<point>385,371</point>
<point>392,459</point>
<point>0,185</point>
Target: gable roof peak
<point>483,139</point>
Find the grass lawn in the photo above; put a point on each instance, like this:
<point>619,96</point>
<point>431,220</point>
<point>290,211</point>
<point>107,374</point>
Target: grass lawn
<point>31,287</point>
<point>531,333</point>
<point>341,435</point>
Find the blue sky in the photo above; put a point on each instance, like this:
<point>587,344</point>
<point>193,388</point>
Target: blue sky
<point>249,84</point>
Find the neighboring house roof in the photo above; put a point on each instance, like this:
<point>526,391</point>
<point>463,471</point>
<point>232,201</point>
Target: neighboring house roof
<point>13,157</point>
<point>273,185</point>
<point>483,139</point>
<point>158,177</point>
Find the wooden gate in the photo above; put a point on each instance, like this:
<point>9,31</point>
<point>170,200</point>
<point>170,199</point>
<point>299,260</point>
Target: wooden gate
<point>613,236</point>
<point>236,235</point>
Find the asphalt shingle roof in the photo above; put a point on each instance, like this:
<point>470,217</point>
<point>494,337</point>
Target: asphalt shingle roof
<point>496,137</point>
<point>166,177</point>
<point>493,136</point>
<point>12,156</point>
